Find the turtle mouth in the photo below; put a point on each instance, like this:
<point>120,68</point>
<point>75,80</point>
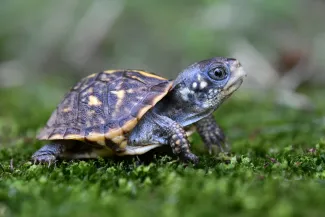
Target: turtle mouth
<point>234,86</point>
<point>237,78</point>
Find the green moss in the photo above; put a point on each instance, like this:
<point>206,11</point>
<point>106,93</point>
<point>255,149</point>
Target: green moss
<point>277,168</point>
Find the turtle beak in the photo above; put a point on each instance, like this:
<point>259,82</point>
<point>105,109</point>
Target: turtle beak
<point>236,77</point>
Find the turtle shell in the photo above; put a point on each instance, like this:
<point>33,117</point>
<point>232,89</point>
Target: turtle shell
<point>105,106</point>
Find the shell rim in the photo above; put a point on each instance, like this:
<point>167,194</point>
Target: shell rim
<point>118,131</point>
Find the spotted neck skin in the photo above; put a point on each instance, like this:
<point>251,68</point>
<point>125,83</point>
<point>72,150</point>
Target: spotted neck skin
<point>196,94</point>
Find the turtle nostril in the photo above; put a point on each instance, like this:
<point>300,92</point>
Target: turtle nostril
<point>234,62</point>
<point>231,59</point>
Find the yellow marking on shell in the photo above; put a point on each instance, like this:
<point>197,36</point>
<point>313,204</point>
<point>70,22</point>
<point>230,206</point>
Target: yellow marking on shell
<point>147,74</point>
<point>56,136</point>
<point>120,96</point>
<point>96,137</point>
<point>118,139</point>
<point>130,90</point>
<point>74,137</point>
<point>94,101</point>
<point>128,126</point>
<point>178,142</point>
<point>92,75</point>
<point>143,111</point>
<point>42,137</point>
<point>90,90</point>
<point>155,100</point>
<point>67,109</point>
<point>113,133</point>
<point>158,98</point>
<point>119,93</point>
<point>111,71</point>
<point>123,144</point>
<point>137,78</point>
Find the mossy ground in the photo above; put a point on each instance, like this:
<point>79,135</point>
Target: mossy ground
<point>276,169</point>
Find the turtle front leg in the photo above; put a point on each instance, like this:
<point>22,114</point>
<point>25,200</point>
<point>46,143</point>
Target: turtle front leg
<point>48,153</point>
<point>212,134</point>
<point>159,129</point>
<point>176,137</point>
<point>179,143</point>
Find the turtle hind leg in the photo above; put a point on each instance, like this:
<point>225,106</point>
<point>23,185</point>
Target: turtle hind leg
<point>69,149</point>
<point>49,153</point>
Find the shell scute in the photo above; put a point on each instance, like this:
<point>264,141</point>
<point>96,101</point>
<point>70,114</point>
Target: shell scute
<point>105,105</point>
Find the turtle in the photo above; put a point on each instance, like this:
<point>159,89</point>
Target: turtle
<point>130,112</point>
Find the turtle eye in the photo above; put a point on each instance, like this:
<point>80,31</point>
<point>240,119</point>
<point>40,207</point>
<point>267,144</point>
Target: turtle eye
<point>218,73</point>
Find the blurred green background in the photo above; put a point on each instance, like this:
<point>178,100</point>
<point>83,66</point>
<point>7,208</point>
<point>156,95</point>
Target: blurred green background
<point>69,39</point>
<point>278,156</point>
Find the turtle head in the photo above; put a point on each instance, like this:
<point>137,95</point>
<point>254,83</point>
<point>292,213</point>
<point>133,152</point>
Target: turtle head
<point>206,84</point>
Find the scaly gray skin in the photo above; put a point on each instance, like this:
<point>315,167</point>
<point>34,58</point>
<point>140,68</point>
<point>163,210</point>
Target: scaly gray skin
<point>64,148</point>
<point>196,93</point>
<point>212,134</point>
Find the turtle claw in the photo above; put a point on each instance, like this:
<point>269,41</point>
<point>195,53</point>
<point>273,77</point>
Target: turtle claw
<point>218,147</point>
<point>216,139</point>
<point>189,157</point>
<point>47,154</point>
<point>212,135</point>
<point>44,159</point>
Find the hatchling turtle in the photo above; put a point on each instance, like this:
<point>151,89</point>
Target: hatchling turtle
<point>129,112</point>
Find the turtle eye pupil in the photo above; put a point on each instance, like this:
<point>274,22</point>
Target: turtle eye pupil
<point>218,73</point>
